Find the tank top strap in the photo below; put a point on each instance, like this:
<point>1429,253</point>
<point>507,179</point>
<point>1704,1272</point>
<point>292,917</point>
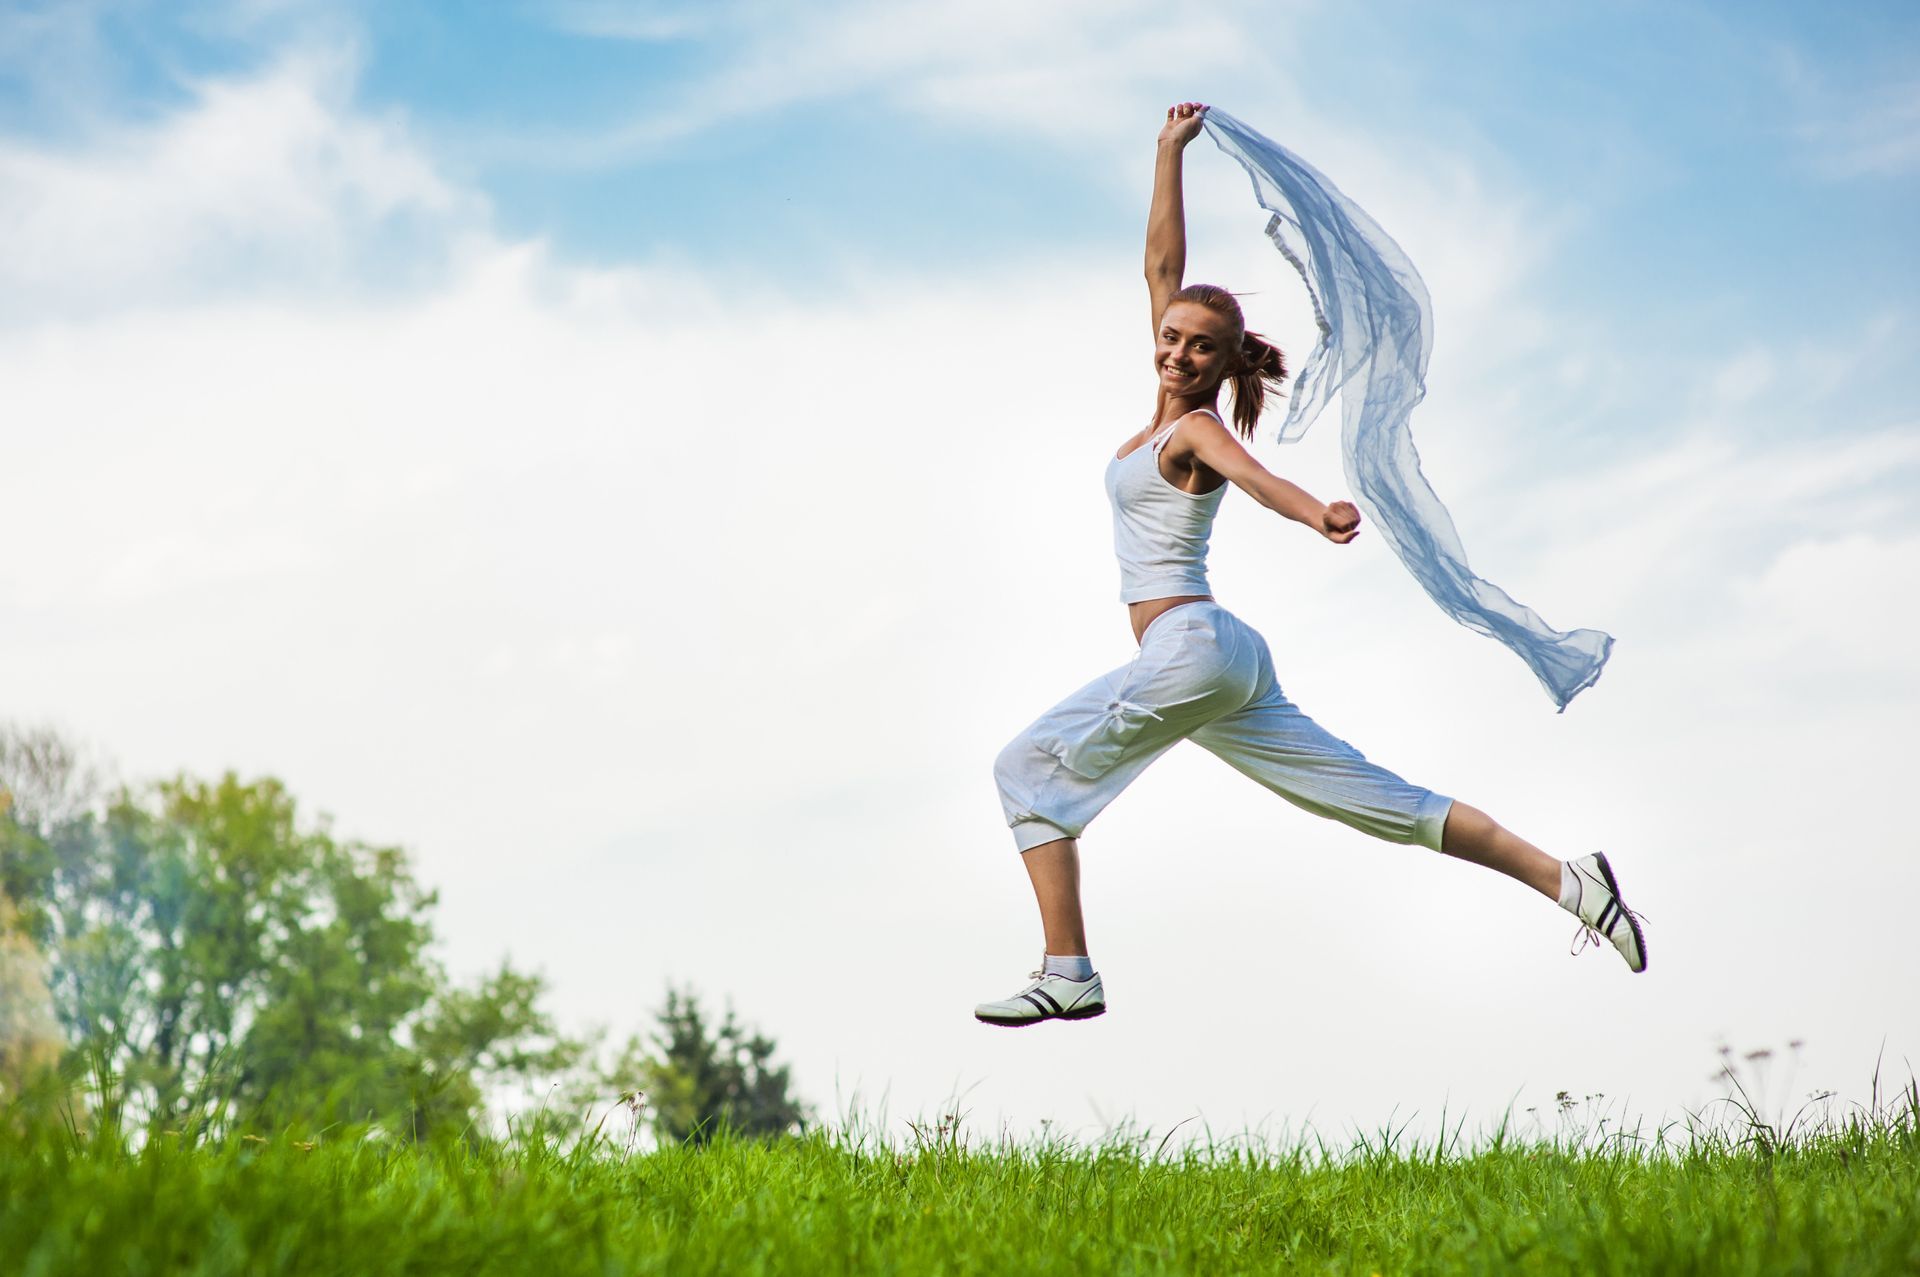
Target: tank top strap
<point>1159,440</point>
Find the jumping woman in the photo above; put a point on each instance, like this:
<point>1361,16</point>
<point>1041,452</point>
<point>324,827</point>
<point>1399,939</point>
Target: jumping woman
<point>1203,674</point>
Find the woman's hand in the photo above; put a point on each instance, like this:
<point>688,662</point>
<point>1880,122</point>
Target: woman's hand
<point>1340,522</point>
<point>1183,122</point>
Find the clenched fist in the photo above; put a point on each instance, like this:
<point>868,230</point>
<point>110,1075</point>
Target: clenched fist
<point>1340,522</point>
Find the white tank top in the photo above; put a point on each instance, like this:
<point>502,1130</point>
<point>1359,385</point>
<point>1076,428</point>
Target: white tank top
<point>1159,532</point>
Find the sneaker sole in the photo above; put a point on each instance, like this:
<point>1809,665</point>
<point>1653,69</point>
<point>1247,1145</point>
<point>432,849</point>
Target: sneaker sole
<point>1084,1014</point>
<point>1639,940</point>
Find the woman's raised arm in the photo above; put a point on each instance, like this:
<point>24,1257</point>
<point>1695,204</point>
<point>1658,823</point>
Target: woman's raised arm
<point>1167,219</point>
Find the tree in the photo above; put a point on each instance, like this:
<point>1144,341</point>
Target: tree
<point>494,1034</point>
<point>700,1081</point>
<point>215,950</point>
<point>29,1035</point>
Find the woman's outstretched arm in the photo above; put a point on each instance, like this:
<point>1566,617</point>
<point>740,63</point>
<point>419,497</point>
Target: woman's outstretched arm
<point>1167,218</point>
<point>1211,442</point>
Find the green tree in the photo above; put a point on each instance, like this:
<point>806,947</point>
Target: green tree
<point>701,1078</point>
<point>213,949</point>
<point>29,1035</point>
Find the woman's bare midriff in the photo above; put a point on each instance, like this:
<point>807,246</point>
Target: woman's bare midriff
<point>1143,613</point>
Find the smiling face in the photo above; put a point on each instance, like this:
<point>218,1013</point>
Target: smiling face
<point>1196,348</point>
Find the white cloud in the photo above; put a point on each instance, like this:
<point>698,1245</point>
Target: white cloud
<point>1077,70</point>
<point>1845,604</point>
<point>260,182</point>
<point>675,627</point>
<point>524,582</point>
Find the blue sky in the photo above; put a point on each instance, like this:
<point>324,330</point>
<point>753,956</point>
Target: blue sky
<point>632,453</point>
<point>1694,143</point>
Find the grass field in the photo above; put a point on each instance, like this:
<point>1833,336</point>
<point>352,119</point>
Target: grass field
<point>1843,1199</point>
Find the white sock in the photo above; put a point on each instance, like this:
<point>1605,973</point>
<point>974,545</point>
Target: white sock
<point>1569,888</point>
<point>1078,969</point>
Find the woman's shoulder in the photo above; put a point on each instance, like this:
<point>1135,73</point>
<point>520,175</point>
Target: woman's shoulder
<point>1202,415</point>
<point>1164,434</point>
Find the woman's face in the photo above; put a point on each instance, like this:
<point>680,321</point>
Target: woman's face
<point>1195,348</point>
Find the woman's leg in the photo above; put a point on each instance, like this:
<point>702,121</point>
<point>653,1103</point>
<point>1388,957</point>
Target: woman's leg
<point>1054,868</point>
<point>1061,772</point>
<point>1277,745</point>
<point>1272,742</point>
<point>1066,987</point>
<point>1478,838</point>
<point>1584,887</point>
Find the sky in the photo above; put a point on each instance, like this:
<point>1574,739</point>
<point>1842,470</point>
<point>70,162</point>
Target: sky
<point>644,459</point>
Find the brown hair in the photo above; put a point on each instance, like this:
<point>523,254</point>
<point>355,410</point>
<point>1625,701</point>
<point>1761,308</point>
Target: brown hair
<point>1260,368</point>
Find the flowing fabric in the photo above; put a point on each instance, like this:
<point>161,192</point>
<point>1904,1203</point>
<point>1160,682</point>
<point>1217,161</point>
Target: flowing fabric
<point>1376,332</point>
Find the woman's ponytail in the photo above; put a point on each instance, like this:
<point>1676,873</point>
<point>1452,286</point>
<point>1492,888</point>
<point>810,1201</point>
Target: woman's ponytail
<point>1261,368</point>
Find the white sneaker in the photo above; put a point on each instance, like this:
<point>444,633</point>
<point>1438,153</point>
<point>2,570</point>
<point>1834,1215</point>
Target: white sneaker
<point>1603,917</point>
<point>1049,997</point>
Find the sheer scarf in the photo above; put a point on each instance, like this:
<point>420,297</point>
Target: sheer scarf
<point>1376,333</point>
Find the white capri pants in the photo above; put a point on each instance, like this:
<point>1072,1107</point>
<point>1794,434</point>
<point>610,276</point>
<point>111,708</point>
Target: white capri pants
<point>1204,675</point>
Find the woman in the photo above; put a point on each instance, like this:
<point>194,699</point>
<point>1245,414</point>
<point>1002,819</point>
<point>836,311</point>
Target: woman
<point>1204,675</point>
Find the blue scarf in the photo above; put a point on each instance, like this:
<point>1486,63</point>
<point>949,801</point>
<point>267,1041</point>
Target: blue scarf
<point>1376,332</point>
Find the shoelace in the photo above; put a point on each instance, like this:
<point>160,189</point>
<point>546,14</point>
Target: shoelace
<point>1588,935</point>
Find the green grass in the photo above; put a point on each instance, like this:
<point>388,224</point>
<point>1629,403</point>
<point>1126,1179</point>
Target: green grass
<point>1843,1199</point>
